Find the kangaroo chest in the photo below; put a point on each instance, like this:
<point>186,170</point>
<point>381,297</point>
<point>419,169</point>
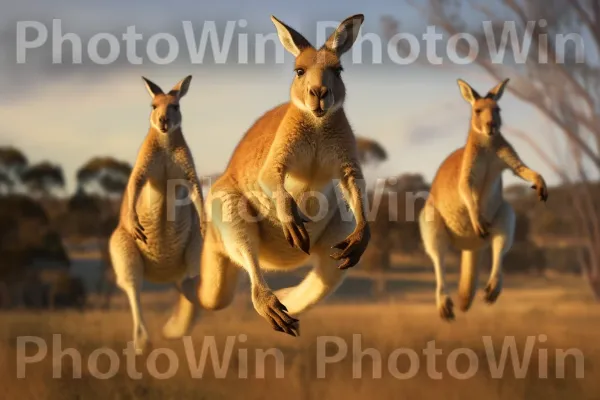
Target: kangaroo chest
<point>166,213</point>
<point>311,179</point>
<point>312,167</point>
<point>486,176</point>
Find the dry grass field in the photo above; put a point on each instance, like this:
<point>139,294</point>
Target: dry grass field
<point>558,307</point>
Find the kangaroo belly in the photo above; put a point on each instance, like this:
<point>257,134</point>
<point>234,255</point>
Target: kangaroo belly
<point>458,221</point>
<point>319,205</point>
<point>167,227</point>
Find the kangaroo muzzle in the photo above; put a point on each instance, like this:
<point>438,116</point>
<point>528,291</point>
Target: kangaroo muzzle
<point>163,124</point>
<point>319,100</point>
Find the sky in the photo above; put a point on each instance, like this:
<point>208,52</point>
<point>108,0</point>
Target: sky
<point>68,113</point>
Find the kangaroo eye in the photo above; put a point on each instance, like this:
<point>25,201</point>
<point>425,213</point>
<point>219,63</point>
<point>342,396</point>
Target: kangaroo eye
<point>176,107</point>
<point>299,71</point>
<point>153,107</point>
<point>338,71</point>
<point>478,111</point>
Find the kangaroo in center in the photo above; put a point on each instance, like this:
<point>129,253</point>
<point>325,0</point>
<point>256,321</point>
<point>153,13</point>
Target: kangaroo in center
<point>290,165</point>
<point>466,208</point>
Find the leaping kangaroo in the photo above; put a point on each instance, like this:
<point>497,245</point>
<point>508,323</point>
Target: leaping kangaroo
<point>297,151</point>
<point>466,208</point>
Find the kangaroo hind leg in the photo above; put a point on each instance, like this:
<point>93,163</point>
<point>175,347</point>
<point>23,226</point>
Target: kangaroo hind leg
<point>503,229</point>
<point>325,277</point>
<point>129,271</point>
<point>240,242</point>
<point>436,242</point>
<point>469,271</point>
<point>187,308</point>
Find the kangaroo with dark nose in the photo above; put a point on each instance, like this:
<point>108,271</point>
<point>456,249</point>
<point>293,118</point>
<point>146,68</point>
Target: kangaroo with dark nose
<point>293,155</point>
<point>159,236</point>
<point>466,208</point>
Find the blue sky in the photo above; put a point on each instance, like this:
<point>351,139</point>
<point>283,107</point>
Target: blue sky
<point>69,113</point>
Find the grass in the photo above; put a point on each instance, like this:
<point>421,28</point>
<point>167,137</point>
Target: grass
<point>558,308</point>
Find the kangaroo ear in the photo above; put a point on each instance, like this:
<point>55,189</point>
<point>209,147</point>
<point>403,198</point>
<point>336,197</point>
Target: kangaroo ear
<point>152,87</point>
<point>468,93</point>
<point>291,40</point>
<point>345,34</point>
<point>497,92</point>
<point>182,87</point>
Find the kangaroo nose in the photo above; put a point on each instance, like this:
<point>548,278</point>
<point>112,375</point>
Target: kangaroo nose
<point>163,123</point>
<point>318,91</point>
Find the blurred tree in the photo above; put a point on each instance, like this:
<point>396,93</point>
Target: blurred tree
<point>6,184</point>
<point>105,176</point>
<point>23,207</point>
<point>65,291</point>
<point>94,209</point>
<point>12,163</point>
<point>43,178</point>
<point>26,238</point>
<point>12,158</point>
<point>554,79</point>
<point>517,192</point>
<point>395,206</point>
<point>408,183</point>
<point>85,211</point>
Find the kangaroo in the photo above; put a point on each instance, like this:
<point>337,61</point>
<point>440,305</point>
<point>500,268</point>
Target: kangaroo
<point>159,235</point>
<point>294,152</point>
<point>466,208</point>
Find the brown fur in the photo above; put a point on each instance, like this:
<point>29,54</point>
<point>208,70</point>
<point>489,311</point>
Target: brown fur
<point>157,238</point>
<point>293,149</point>
<point>466,208</point>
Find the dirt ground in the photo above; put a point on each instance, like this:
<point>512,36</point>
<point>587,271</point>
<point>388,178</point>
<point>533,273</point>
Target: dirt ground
<point>552,322</point>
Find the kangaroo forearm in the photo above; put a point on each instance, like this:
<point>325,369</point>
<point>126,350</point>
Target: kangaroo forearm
<point>134,189</point>
<point>196,194</point>
<point>473,210</point>
<point>516,165</point>
<point>526,174</point>
<point>196,188</point>
<point>271,179</point>
<point>470,201</point>
<point>198,201</point>
<point>258,284</point>
<point>353,187</point>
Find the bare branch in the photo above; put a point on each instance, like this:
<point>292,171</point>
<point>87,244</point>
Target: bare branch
<point>565,95</point>
<point>532,95</point>
<point>540,153</point>
<point>592,24</point>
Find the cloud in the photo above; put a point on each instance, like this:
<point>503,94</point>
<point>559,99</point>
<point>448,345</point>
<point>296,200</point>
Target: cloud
<point>232,22</point>
<point>436,122</point>
<point>424,133</point>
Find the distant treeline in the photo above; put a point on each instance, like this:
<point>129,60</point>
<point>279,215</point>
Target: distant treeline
<point>35,222</point>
